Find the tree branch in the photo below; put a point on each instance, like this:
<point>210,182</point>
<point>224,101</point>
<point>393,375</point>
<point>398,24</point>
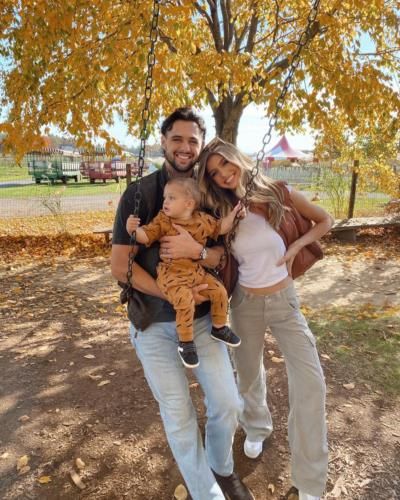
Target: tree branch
<point>215,26</point>
<point>252,32</point>
<point>239,38</point>
<point>204,13</point>
<point>227,24</point>
<point>379,52</point>
<point>168,41</point>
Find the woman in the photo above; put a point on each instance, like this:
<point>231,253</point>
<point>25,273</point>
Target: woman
<point>265,297</point>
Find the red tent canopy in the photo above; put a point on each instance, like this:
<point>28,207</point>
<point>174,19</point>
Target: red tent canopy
<point>284,151</point>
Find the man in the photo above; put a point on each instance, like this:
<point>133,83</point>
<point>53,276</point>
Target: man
<point>208,471</point>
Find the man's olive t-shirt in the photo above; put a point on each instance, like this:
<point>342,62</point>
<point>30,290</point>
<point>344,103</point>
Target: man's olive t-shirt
<point>151,188</point>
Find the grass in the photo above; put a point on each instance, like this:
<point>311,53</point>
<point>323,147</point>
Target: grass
<point>365,206</point>
<point>83,188</point>
<point>10,172</point>
<point>364,340</point>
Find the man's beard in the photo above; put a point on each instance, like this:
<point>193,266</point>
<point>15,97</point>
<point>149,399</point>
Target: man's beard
<point>173,164</point>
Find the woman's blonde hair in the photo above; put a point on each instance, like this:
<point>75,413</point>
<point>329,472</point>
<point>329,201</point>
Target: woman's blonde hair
<point>265,191</point>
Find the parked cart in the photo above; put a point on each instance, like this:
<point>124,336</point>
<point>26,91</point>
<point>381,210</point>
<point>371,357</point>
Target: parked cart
<point>114,169</point>
<point>53,165</point>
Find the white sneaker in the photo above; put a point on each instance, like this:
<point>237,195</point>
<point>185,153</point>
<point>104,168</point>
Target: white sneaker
<point>306,496</point>
<point>252,449</point>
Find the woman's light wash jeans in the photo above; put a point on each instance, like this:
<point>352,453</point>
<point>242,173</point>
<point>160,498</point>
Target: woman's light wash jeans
<point>156,347</point>
<point>250,316</point>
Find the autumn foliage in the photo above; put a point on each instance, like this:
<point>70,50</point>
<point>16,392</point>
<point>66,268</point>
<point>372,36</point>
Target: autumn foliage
<point>78,64</point>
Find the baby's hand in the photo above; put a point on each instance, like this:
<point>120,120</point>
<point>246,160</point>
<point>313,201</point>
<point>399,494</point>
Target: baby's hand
<point>132,224</point>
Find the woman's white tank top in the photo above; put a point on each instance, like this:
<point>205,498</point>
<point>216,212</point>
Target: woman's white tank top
<point>257,247</point>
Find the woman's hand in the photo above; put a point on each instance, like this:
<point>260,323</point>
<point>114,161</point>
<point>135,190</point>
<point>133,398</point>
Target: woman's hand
<point>289,257</point>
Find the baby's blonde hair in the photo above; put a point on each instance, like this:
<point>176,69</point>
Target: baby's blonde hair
<point>189,187</point>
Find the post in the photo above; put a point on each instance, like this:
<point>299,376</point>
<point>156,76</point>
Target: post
<point>353,189</point>
<point>128,174</point>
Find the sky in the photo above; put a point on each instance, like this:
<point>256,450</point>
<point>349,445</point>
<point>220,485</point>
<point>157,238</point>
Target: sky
<point>252,128</point>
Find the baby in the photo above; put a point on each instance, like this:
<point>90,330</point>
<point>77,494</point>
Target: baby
<point>176,278</point>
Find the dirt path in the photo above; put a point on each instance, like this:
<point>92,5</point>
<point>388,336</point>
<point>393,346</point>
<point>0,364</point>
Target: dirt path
<point>71,387</point>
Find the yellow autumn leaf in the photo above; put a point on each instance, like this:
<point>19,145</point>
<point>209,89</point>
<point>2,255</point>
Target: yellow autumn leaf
<point>274,359</point>
<point>180,492</point>
<point>22,462</point>
<point>80,464</point>
<point>77,480</point>
<point>44,479</point>
<point>103,382</point>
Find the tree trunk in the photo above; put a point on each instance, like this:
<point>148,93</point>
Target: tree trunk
<point>227,116</point>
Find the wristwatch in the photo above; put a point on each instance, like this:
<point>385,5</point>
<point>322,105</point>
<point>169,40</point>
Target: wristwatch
<point>203,254</point>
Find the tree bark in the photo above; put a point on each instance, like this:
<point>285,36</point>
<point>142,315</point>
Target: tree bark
<point>227,116</point>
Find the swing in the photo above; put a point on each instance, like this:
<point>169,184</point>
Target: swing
<point>312,24</point>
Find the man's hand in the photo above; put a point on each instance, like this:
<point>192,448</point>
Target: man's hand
<point>196,290</point>
<point>181,246</point>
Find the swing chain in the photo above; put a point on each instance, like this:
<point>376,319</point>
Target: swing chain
<point>151,59</point>
<point>305,37</point>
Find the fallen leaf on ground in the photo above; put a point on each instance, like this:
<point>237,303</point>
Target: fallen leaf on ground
<point>325,356</point>
<point>89,356</point>
<point>349,386</point>
<point>277,360</point>
<point>271,488</point>
<point>103,382</point>
<point>117,443</point>
<point>337,488</point>
<point>24,418</point>
<point>77,480</point>
<point>4,455</point>
<point>95,377</point>
<point>80,463</point>
<point>180,492</point>
<point>44,479</point>
<point>24,470</point>
<point>22,462</point>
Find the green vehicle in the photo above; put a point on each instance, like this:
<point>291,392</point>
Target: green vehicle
<point>54,165</point>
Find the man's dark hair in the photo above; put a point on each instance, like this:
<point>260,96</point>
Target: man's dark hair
<point>185,114</point>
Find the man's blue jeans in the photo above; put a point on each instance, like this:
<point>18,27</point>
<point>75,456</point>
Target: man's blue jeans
<point>156,347</point>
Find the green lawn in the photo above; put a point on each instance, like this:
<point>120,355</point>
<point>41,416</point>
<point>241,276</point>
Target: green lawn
<point>365,206</point>
<point>9,172</point>
<point>364,340</point>
<point>83,188</point>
